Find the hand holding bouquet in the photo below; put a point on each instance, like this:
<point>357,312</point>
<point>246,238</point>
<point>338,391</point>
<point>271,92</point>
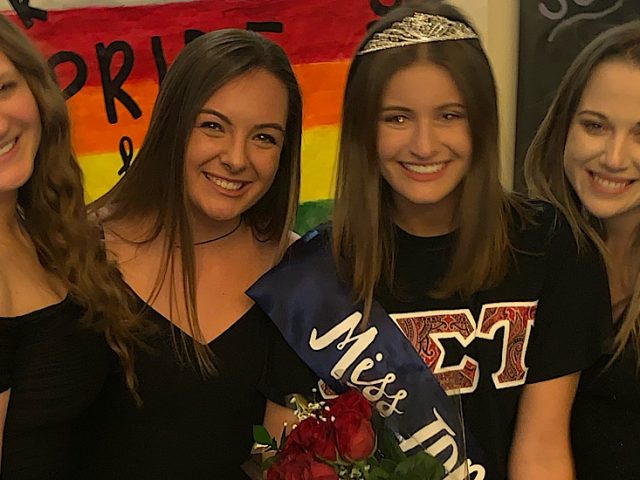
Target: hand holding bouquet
<point>342,439</point>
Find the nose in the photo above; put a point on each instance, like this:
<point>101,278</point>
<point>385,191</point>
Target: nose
<point>425,141</point>
<point>616,157</point>
<point>234,155</point>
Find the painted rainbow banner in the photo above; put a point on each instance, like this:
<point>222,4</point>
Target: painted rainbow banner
<point>110,56</point>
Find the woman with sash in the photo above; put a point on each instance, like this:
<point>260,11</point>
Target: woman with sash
<point>62,304</point>
<point>449,299</point>
<point>205,209</point>
<point>585,159</point>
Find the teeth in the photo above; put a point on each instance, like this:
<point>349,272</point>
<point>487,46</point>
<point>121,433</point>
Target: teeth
<point>224,183</point>
<point>428,168</point>
<point>7,147</point>
<point>609,185</point>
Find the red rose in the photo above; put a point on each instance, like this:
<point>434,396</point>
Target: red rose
<point>354,433</point>
<point>321,471</point>
<point>351,401</point>
<point>298,465</point>
<point>315,436</point>
<point>355,436</point>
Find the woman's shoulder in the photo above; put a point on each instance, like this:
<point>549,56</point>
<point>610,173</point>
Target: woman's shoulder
<point>536,224</point>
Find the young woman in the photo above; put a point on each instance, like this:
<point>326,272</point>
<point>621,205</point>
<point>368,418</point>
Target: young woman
<point>480,282</point>
<point>206,208</point>
<point>585,158</point>
<point>59,296</point>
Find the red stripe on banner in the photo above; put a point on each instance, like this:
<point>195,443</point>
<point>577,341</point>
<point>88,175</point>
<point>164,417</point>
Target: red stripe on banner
<point>311,31</point>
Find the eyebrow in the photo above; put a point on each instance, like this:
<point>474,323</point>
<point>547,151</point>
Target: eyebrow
<point>224,118</point>
<point>454,104</point>
<point>595,114</point>
<point>8,74</point>
<point>396,108</point>
<point>401,108</point>
<point>600,116</point>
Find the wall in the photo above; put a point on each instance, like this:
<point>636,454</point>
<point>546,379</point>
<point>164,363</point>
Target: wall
<point>497,22</point>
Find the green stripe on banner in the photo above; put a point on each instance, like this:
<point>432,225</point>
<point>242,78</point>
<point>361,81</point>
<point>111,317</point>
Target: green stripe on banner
<point>312,214</point>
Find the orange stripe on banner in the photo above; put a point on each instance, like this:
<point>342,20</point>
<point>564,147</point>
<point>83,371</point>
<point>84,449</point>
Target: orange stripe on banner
<point>92,132</point>
<point>322,88</point>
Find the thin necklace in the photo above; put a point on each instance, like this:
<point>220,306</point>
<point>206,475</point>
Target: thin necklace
<point>215,239</point>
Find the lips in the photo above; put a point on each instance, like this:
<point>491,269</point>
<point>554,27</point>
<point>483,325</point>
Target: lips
<point>7,146</point>
<point>608,184</point>
<point>427,168</point>
<point>229,185</point>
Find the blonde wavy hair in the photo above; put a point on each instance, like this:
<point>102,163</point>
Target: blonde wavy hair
<point>51,206</point>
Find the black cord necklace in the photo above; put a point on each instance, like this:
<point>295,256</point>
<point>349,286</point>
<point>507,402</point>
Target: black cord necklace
<point>215,239</point>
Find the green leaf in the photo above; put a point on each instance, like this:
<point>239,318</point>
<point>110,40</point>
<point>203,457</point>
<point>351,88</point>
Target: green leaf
<point>420,466</point>
<point>388,465</point>
<point>388,445</point>
<point>261,435</point>
<point>378,473</point>
<point>283,437</point>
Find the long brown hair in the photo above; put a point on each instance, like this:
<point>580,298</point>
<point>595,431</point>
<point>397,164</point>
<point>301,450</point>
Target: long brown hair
<point>544,168</point>
<point>51,205</point>
<point>363,232</point>
<point>154,186</point>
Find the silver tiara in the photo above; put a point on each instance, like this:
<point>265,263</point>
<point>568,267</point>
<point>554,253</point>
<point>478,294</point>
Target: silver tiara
<point>418,28</point>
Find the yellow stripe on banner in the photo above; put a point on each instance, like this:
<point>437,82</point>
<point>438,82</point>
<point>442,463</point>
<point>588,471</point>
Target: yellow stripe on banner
<point>319,153</point>
<point>319,156</point>
<point>100,173</point>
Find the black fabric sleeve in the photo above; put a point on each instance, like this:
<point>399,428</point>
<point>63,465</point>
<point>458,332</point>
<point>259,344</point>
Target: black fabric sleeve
<point>8,349</point>
<point>573,319</point>
<point>284,371</point>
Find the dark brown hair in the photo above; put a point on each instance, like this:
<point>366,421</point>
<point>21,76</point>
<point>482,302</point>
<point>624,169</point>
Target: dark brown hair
<point>363,233</point>
<point>154,186</point>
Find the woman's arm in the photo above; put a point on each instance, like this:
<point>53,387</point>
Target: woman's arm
<point>4,403</point>
<point>277,418</point>
<point>541,447</point>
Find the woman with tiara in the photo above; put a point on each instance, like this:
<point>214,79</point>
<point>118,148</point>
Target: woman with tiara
<point>449,302</point>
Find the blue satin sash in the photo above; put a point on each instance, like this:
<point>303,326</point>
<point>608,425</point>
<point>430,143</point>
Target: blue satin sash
<point>315,313</point>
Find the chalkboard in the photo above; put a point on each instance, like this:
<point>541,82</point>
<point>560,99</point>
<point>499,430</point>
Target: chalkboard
<point>552,33</point>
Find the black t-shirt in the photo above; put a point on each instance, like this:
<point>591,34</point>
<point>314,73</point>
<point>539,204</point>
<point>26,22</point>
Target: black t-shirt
<point>606,420</point>
<point>55,370</point>
<point>546,319</point>
<point>189,426</point>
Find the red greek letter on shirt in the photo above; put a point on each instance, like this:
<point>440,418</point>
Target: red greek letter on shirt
<point>516,319</point>
<point>425,330</point>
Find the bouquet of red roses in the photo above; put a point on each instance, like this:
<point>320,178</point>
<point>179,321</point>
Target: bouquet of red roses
<point>342,439</point>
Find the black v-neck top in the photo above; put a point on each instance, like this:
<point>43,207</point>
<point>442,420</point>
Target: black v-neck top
<point>189,426</point>
<point>55,369</point>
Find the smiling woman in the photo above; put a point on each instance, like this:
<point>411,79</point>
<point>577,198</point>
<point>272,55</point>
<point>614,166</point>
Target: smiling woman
<point>603,144</point>
<point>436,258</point>
<point>20,128</point>
<point>585,158</point>
<point>234,152</point>
<point>424,146</point>
<point>206,208</point>
<point>62,303</point>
